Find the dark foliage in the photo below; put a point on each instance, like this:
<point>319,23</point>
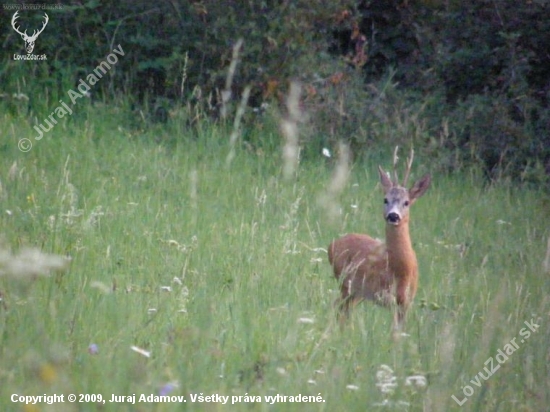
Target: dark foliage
<point>473,75</point>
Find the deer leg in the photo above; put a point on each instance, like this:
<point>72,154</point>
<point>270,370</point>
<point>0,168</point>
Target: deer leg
<point>399,318</point>
<point>402,305</point>
<point>345,303</point>
<point>342,304</point>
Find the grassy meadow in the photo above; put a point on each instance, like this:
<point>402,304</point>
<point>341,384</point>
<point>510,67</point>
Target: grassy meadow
<point>217,274</point>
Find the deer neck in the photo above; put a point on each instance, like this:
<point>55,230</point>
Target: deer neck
<point>401,257</point>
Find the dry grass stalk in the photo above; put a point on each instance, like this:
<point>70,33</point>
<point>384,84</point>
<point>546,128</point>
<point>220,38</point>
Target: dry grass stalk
<point>340,176</point>
<point>184,74</point>
<point>289,129</point>
<point>226,93</point>
<point>193,184</point>
<point>546,262</point>
<point>237,124</point>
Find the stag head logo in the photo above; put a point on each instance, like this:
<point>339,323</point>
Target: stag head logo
<point>29,40</point>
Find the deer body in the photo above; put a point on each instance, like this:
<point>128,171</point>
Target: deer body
<point>383,272</point>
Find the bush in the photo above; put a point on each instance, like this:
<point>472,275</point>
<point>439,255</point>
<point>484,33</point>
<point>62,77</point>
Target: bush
<point>464,81</point>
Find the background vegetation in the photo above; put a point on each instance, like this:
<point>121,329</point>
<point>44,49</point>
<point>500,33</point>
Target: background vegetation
<point>472,75</point>
<point>196,225</point>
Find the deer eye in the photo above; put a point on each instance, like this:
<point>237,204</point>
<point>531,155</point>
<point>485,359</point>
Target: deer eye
<point>385,201</point>
<point>406,204</point>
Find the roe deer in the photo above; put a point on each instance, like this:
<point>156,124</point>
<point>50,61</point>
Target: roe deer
<point>386,273</point>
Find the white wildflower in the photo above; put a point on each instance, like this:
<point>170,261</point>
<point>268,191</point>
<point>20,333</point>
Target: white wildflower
<point>100,286</point>
<point>387,382</point>
<point>282,371</point>
<point>141,351</point>
<point>31,262</point>
<point>416,380</point>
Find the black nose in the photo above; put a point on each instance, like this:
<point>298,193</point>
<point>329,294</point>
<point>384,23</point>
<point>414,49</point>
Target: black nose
<point>393,217</point>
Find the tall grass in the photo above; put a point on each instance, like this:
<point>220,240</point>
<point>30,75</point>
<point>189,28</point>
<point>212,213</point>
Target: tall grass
<point>218,272</point>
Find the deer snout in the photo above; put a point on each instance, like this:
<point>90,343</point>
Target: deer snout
<point>393,218</point>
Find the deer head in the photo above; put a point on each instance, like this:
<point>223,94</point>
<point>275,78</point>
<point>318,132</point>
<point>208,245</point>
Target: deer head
<point>29,40</point>
<point>398,198</point>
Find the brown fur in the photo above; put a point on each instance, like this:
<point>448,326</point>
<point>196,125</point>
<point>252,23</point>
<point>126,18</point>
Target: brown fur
<point>386,273</point>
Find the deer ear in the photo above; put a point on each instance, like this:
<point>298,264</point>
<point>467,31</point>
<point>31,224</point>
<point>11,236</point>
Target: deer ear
<point>420,187</point>
<point>384,179</point>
